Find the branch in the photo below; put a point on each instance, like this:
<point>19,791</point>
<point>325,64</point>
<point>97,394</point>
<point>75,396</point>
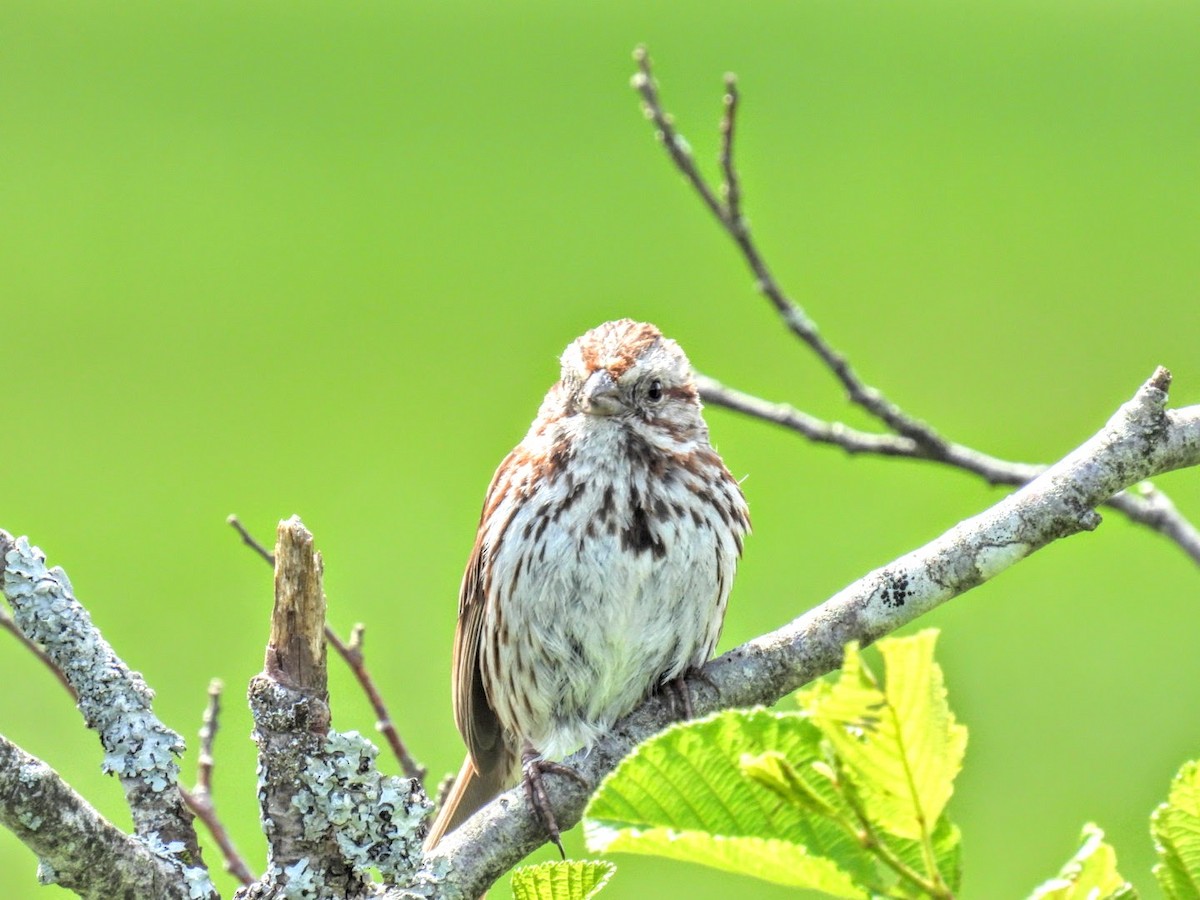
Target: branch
<point>352,654</point>
<point>249,540</point>
<point>199,799</point>
<point>1140,440</point>
<point>1143,503</point>
<point>328,814</point>
<point>77,848</point>
<point>114,700</point>
<point>912,437</point>
<point>290,703</point>
<point>730,216</point>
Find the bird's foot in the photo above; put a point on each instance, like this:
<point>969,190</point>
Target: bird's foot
<point>534,767</point>
<point>680,694</point>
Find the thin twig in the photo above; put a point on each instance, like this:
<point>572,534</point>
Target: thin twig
<point>730,218</point>
<point>249,541</point>
<point>7,623</point>
<point>913,438</point>
<point>199,799</point>
<point>676,146</point>
<point>209,724</point>
<point>352,654</point>
<point>731,188</point>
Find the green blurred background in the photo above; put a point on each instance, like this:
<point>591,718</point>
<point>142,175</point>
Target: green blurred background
<point>319,258</point>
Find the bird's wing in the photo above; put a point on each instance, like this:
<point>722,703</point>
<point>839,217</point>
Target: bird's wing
<point>473,712</point>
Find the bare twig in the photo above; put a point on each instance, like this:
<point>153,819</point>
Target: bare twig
<point>913,438</point>
<point>209,723</point>
<point>731,188</point>
<point>730,218</point>
<point>7,623</point>
<point>199,799</point>
<point>249,541</point>
<point>1140,440</point>
<point>1142,503</point>
<point>352,654</point>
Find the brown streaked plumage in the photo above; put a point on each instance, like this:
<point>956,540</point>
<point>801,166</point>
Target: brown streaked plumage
<point>604,557</point>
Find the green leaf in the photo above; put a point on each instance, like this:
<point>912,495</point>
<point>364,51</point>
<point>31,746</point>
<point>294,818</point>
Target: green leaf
<point>1091,874</point>
<point>899,742</point>
<point>684,795</point>
<point>1175,826</point>
<point>570,880</point>
<point>773,771</point>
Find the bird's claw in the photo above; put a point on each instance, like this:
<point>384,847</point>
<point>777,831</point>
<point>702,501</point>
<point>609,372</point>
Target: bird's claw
<point>534,767</point>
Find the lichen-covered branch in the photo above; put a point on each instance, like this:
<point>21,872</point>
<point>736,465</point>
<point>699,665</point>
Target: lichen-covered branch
<point>114,700</point>
<point>290,703</point>
<point>328,815</point>
<point>351,653</point>
<point>77,848</point>
<point>1142,439</point>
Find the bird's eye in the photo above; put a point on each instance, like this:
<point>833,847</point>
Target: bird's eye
<point>654,392</point>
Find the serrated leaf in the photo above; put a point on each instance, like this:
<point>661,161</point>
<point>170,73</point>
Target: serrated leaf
<point>900,741</point>
<point>1091,874</point>
<point>1175,826</point>
<point>568,880</point>
<point>683,794</point>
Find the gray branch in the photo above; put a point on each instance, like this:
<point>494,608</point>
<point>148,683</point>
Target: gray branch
<point>77,848</point>
<point>910,436</point>
<point>329,815</point>
<point>1144,503</point>
<point>114,700</point>
<point>1142,439</point>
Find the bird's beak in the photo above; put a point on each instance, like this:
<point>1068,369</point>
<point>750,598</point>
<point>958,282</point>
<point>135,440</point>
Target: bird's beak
<point>600,396</point>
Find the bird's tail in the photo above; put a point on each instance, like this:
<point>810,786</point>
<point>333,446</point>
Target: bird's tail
<point>470,791</point>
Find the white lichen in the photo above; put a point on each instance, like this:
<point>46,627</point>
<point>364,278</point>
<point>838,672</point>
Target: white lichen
<point>46,875</point>
<point>301,881</point>
<point>375,819</point>
<point>199,885</point>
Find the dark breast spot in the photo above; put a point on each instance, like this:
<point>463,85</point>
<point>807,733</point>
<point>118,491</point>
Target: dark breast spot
<point>639,537</point>
<point>606,504</point>
<point>576,491</point>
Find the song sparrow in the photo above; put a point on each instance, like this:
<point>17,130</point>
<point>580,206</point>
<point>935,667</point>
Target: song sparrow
<point>605,554</point>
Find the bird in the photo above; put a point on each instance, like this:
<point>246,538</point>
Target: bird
<point>605,554</point>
